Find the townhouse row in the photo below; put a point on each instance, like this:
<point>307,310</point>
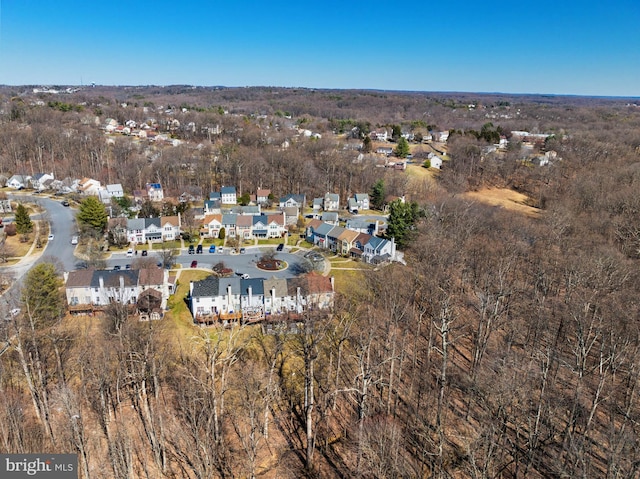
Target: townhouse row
<point>235,299</point>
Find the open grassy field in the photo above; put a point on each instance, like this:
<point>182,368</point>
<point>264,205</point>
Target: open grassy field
<point>504,198</point>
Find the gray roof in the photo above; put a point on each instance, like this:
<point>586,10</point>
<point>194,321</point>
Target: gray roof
<point>279,284</point>
<point>206,288</point>
<point>229,219</point>
<point>329,216</point>
<point>336,231</point>
<point>135,224</point>
<point>111,278</point>
<point>233,282</point>
<point>257,286</point>
<point>323,229</point>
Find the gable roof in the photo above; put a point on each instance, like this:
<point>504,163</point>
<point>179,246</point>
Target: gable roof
<point>80,278</point>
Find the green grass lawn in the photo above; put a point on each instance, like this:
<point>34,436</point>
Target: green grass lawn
<point>164,245</point>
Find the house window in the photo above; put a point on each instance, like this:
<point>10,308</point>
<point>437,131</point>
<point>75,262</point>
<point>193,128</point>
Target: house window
<point>197,300</point>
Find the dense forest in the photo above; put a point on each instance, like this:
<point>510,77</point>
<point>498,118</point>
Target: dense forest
<point>508,346</point>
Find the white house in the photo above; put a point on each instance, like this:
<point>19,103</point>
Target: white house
<point>331,202</point>
<point>228,195</point>
<point>18,181</point>
<point>88,187</point>
<point>435,161</point>
<point>40,181</point>
<point>233,299</point>
<point>154,191</point>
<point>88,289</point>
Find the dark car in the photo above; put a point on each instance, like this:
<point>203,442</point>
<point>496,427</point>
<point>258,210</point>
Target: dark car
<point>194,264</point>
<point>199,249</point>
<point>212,248</point>
<point>65,203</point>
<point>280,247</point>
<point>116,267</point>
<point>243,250</point>
<point>191,249</point>
<point>144,252</point>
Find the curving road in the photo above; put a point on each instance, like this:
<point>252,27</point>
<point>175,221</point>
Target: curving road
<point>60,251</point>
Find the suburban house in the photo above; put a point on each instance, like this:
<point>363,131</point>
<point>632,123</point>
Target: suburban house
<point>317,206</point>
<point>115,190</point>
<point>379,135</point>
<point>384,150</point>
<point>211,226</point>
<point>292,200</point>
<point>90,290</point>
<point>330,217</point>
<point>228,195</point>
<point>291,213</point>
<point>223,300</point>
<point>331,202</point>
<point>262,196</point>
<point>244,226</point>
<point>379,250</point>
<point>154,192</point>
<point>88,187</point>
<point>371,249</point>
<point>41,181</point>
<point>362,226</point>
<point>18,182</point>
<point>359,201</point>
<point>110,191</point>
<point>213,205</point>
<point>345,242</point>
<point>229,224</point>
<point>154,230</point>
<point>435,161</point>
<point>171,227</point>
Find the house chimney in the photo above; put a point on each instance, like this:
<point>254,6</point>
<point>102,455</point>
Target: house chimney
<point>250,296</point>
<point>229,304</point>
<point>332,280</point>
<point>273,299</point>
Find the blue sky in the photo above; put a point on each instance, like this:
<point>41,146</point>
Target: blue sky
<point>575,47</point>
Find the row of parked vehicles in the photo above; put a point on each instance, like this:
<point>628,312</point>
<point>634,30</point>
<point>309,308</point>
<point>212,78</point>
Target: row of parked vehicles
<point>198,249</point>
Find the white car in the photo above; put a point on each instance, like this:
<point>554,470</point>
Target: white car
<point>50,238</point>
<point>129,253</point>
<point>74,240</point>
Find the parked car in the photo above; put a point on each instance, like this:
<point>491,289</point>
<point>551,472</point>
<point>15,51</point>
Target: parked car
<point>144,252</point>
<point>245,276</point>
<point>127,266</point>
<point>129,253</point>
<point>199,249</point>
<point>220,250</point>
<point>212,248</point>
<point>280,247</point>
<point>74,240</point>
<point>50,238</point>
<point>243,250</point>
<point>192,250</point>
<point>116,267</point>
<point>65,203</point>
<point>194,264</point>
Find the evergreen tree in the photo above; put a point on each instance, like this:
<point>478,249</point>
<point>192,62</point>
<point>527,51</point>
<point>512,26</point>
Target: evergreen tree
<point>244,200</point>
<point>367,146</point>
<point>41,294</point>
<point>377,195</point>
<point>24,225</point>
<point>92,215</point>
<point>402,148</point>
<point>402,220</point>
